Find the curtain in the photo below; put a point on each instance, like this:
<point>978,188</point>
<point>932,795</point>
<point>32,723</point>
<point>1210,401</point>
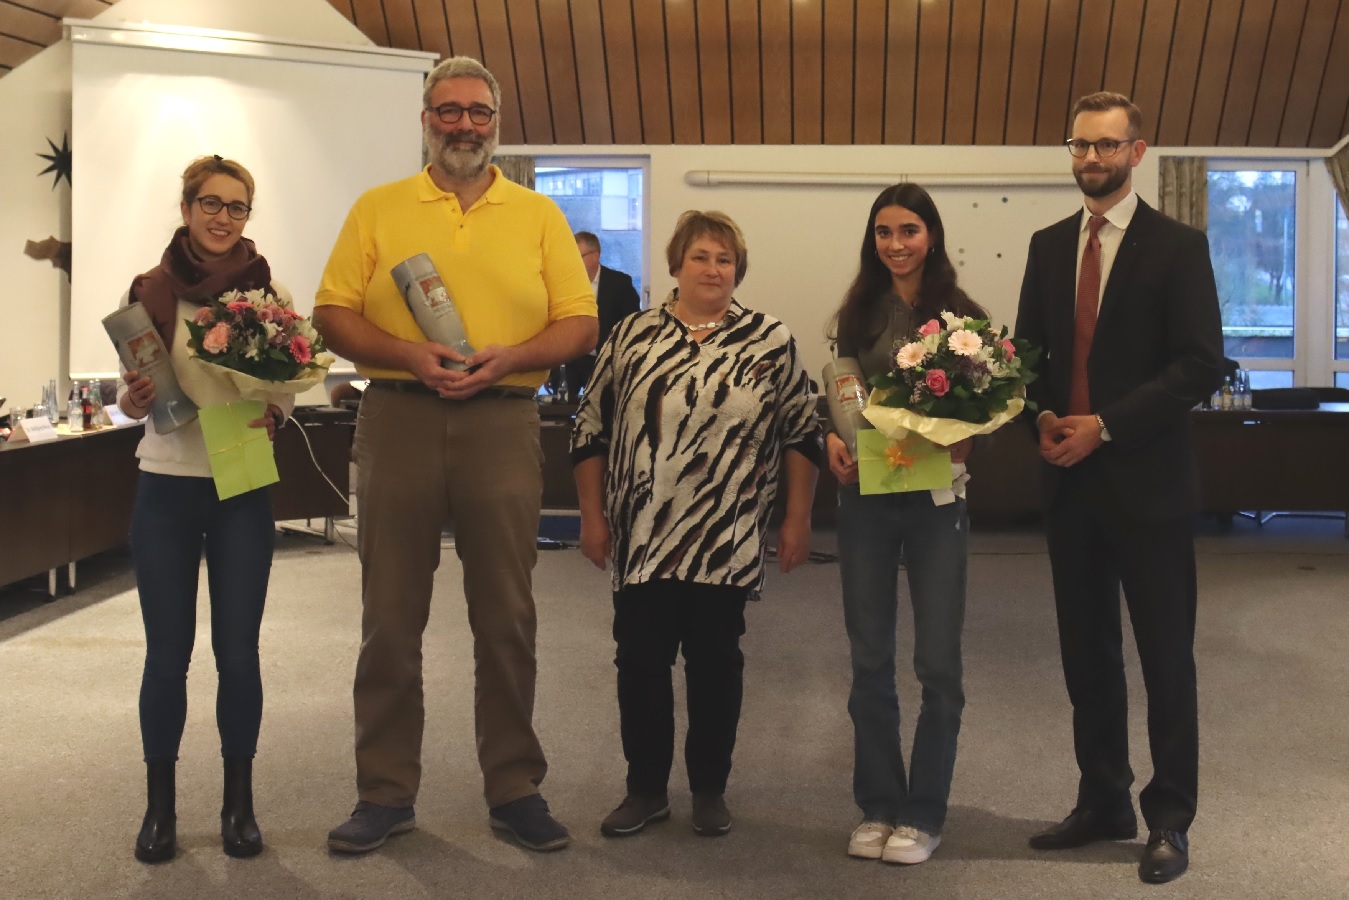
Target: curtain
<point>1339,173</point>
<point>519,169</point>
<point>1183,189</point>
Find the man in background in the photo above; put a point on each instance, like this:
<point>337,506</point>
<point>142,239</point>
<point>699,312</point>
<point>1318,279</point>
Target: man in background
<point>616,297</point>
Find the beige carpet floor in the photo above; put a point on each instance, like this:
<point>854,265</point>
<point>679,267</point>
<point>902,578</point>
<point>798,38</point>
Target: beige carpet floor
<point>1273,652</point>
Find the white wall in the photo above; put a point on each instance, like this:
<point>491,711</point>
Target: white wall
<point>35,101</point>
<point>34,303</point>
<point>803,240</point>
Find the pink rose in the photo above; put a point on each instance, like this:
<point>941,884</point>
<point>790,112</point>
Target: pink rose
<point>932,327</point>
<point>1007,348</point>
<point>203,316</point>
<point>238,306</point>
<point>217,339</point>
<point>937,383</point>
<point>299,348</point>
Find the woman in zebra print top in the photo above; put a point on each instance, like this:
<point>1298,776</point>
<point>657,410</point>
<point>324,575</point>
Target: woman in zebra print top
<point>692,409</point>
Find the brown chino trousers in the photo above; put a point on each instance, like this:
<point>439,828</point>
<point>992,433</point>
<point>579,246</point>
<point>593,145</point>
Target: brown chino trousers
<point>422,462</point>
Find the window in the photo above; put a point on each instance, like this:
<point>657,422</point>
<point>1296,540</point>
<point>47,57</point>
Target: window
<point>1341,294</point>
<point>1252,230</point>
<point>607,201</point>
<point>1280,247</point>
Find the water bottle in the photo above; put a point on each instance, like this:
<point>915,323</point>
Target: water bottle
<point>96,400</point>
<point>1226,395</point>
<point>74,415</point>
<point>1243,396</point>
<point>431,305</point>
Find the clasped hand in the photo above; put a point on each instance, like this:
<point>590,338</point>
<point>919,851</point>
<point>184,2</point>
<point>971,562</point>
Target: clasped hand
<point>484,368</point>
<point>1068,440</point>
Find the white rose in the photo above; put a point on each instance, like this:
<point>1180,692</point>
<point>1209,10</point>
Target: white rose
<point>952,320</point>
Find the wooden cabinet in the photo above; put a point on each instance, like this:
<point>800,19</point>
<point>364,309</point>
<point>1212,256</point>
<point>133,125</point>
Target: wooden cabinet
<point>65,499</point>
<point>68,499</point>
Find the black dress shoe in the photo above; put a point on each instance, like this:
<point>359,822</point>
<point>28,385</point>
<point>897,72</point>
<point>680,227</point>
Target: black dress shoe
<point>1165,858</point>
<point>1085,826</point>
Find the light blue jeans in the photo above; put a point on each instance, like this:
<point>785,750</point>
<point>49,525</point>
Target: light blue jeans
<point>875,534</point>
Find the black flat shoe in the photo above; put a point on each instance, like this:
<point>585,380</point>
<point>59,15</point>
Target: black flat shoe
<point>1165,858</point>
<point>1085,826</point>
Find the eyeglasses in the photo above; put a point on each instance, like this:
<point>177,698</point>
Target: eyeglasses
<point>1105,147</point>
<point>211,204</point>
<point>451,113</point>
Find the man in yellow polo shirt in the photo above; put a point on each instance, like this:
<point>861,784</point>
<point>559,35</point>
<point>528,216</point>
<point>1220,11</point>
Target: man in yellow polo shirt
<point>434,443</point>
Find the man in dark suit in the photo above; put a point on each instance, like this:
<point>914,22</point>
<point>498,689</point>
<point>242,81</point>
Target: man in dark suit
<point>616,297</point>
<point>1123,302</point>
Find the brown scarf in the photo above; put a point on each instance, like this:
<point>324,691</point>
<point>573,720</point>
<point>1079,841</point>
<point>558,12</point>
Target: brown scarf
<point>183,275</point>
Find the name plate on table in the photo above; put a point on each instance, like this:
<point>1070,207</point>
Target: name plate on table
<point>113,415</point>
<point>35,431</point>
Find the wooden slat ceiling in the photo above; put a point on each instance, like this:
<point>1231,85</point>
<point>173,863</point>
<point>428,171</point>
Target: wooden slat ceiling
<point>1227,73</point>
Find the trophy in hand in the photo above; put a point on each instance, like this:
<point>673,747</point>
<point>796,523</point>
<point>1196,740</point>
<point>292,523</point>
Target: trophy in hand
<point>431,306</point>
<point>140,347</point>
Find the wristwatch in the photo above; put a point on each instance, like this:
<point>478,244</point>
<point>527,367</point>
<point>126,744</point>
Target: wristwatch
<point>1105,433</point>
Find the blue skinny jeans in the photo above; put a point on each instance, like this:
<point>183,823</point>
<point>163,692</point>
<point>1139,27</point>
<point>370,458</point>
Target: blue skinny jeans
<point>176,517</point>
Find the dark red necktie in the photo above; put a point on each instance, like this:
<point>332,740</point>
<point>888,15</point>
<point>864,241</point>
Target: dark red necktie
<point>1084,321</point>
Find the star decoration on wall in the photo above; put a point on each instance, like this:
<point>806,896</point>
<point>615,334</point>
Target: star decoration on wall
<point>59,159</point>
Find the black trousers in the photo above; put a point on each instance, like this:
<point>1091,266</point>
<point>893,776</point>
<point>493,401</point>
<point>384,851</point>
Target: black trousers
<point>1094,550</point>
<point>653,622</point>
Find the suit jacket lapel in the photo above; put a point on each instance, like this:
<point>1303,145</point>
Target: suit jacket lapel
<point>1064,289</point>
<point>1126,261</point>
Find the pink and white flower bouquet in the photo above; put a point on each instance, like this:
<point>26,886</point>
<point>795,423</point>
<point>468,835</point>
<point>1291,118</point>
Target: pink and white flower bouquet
<point>257,343</point>
<point>959,378</point>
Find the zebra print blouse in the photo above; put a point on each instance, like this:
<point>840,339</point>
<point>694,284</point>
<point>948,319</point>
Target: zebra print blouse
<point>694,435</point>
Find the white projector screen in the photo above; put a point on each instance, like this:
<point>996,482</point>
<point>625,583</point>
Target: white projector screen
<point>315,126</point>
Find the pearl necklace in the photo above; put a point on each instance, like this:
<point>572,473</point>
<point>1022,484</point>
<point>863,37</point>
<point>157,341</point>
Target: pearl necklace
<point>705,326</point>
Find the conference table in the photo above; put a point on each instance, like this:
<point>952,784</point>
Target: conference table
<point>1268,460</point>
<point>71,498</point>
<point>67,499</point>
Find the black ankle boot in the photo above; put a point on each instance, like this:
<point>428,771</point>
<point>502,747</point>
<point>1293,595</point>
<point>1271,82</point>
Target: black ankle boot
<point>238,829</point>
<point>157,840</point>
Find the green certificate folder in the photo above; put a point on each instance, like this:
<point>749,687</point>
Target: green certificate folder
<point>889,466</point>
<point>241,457</point>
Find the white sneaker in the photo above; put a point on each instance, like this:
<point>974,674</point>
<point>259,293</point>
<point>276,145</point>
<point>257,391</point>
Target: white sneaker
<point>910,846</point>
<point>868,840</point>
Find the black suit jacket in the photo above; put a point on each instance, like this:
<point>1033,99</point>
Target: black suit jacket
<point>616,297</point>
<point>1157,352</point>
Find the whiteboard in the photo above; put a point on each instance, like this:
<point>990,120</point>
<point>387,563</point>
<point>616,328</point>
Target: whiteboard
<point>315,135</point>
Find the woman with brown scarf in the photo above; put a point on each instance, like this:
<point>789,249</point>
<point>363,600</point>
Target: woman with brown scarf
<point>177,514</point>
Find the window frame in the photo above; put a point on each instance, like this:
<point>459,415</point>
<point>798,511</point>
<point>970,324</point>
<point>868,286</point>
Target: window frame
<point>616,161</point>
<point>1313,362</point>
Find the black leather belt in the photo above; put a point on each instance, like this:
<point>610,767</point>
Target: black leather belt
<point>409,386</point>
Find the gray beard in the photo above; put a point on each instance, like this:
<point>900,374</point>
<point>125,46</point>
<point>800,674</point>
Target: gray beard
<point>460,164</point>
